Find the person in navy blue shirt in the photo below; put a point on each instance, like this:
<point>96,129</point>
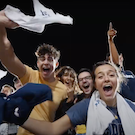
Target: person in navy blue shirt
<point>105,113</point>
<point>128,87</point>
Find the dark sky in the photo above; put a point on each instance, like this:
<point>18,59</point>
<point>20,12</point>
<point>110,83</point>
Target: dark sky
<point>83,43</point>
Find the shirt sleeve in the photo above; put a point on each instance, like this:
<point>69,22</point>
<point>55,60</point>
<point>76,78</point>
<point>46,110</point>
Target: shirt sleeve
<point>31,75</point>
<point>78,112</point>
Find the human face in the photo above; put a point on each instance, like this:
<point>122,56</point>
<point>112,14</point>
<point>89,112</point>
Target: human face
<point>106,83</point>
<point>85,82</point>
<point>68,79</point>
<point>6,91</point>
<point>47,65</point>
<point>18,84</point>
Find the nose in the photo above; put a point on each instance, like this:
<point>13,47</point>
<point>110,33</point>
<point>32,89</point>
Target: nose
<point>69,77</point>
<point>106,78</point>
<point>45,61</point>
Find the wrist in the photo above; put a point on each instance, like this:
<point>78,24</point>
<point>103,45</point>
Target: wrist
<point>110,39</point>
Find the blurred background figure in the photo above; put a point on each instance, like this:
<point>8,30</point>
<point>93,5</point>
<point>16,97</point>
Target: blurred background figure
<point>8,128</point>
<point>17,83</point>
<point>7,89</point>
<point>68,77</point>
<point>85,83</point>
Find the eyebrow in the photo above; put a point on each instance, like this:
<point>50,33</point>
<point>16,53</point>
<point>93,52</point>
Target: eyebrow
<point>107,71</point>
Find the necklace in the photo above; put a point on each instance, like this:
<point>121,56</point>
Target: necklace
<point>110,109</point>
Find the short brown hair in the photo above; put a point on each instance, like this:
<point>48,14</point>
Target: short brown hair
<point>48,49</point>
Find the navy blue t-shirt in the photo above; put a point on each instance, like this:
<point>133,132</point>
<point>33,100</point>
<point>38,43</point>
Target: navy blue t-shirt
<point>78,115</point>
<point>128,89</point>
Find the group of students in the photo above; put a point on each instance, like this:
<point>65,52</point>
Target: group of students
<point>79,86</point>
<point>105,106</point>
<point>7,89</point>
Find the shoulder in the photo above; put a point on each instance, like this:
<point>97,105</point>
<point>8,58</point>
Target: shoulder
<point>30,69</point>
<point>131,104</point>
<point>30,76</point>
<point>80,107</point>
<point>128,74</point>
<point>59,85</point>
<point>78,112</point>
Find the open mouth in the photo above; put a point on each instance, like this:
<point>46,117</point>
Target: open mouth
<point>86,86</point>
<point>46,69</point>
<point>107,87</point>
<point>108,90</point>
<point>68,83</point>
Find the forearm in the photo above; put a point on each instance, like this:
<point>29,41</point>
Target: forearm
<point>7,55</point>
<point>32,125</point>
<point>113,51</point>
<point>47,128</point>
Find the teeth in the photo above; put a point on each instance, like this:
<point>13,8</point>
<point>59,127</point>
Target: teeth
<point>107,85</point>
<point>85,86</point>
<point>67,82</point>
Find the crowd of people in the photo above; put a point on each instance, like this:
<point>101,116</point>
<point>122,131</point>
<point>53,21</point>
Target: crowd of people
<point>91,102</point>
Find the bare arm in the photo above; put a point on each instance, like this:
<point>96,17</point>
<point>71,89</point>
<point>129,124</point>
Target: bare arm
<point>7,55</point>
<point>112,48</point>
<point>47,128</point>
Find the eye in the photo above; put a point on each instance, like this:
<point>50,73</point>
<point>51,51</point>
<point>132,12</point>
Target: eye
<point>112,75</point>
<point>80,80</point>
<point>41,58</point>
<point>72,76</point>
<point>65,74</point>
<point>50,59</point>
<point>88,77</point>
<point>100,76</point>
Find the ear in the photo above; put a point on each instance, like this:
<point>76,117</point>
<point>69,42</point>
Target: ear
<point>37,64</point>
<point>57,64</point>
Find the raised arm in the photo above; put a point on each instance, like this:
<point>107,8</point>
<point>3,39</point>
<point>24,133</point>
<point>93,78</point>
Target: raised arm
<point>47,128</point>
<point>7,55</point>
<point>114,55</point>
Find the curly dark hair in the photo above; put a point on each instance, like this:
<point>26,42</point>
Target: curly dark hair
<point>48,49</point>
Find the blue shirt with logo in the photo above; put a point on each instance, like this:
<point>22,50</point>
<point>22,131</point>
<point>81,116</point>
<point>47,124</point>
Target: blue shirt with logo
<point>128,88</point>
<point>78,115</point>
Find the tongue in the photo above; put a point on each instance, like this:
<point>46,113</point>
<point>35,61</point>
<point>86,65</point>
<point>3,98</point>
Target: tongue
<point>108,91</point>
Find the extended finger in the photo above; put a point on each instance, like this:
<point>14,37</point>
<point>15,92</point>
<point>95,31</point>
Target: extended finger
<point>110,25</point>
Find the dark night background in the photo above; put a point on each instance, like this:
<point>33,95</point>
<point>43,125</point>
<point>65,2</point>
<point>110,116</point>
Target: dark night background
<point>83,43</point>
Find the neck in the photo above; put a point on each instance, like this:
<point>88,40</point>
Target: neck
<point>111,103</point>
<point>49,79</point>
<point>87,95</point>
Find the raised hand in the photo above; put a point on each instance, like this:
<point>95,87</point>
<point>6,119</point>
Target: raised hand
<point>4,21</point>
<point>111,32</point>
<point>70,94</point>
